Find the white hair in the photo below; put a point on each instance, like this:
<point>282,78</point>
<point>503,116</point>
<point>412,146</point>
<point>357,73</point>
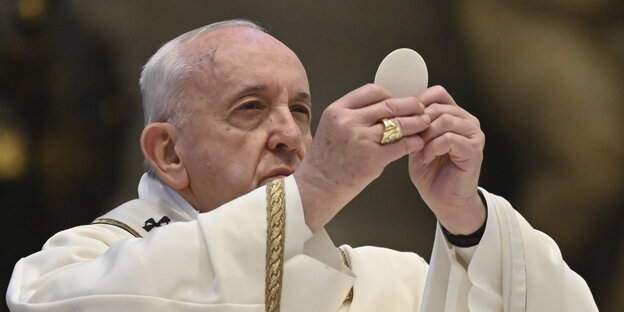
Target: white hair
<point>163,78</point>
<point>164,75</point>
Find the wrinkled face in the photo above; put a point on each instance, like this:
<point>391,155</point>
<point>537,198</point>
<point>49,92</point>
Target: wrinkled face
<point>249,112</point>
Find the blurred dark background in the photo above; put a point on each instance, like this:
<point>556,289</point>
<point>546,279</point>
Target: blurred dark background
<point>546,78</point>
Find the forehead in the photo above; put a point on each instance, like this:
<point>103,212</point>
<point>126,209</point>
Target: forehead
<point>240,56</point>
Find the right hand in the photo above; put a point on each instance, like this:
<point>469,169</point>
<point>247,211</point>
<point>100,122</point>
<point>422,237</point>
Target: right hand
<point>346,154</point>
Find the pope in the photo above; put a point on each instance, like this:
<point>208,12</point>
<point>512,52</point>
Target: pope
<point>242,191</point>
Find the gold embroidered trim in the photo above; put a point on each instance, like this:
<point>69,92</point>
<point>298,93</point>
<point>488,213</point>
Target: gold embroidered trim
<point>276,225</point>
<point>117,224</point>
<point>346,262</point>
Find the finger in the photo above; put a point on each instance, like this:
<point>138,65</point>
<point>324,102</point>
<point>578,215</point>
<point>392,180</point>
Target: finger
<point>459,148</point>
<point>363,96</point>
<point>404,146</point>
<point>449,123</point>
<point>389,108</point>
<point>436,110</point>
<point>409,125</point>
<point>436,94</point>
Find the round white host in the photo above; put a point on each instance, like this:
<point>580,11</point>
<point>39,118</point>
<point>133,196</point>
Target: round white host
<point>403,73</point>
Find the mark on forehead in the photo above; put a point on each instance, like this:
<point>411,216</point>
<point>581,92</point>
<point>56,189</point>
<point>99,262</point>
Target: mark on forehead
<point>211,54</point>
<point>204,58</point>
<point>202,61</point>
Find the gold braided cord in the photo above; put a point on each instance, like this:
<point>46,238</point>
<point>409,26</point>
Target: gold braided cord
<point>117,224</point>
<point>345,260</point>
<point>276,225</point>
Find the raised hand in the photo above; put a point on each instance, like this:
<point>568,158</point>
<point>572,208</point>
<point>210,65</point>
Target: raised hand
<point>446,171</point>
<point>346,153</point>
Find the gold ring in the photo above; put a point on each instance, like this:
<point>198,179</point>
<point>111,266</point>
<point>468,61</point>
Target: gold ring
<point>392,132</point>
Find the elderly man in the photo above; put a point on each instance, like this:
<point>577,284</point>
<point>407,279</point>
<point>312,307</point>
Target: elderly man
<point>230,216</point>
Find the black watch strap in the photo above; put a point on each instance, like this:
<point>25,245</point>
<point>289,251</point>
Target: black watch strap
<point>467,240</point>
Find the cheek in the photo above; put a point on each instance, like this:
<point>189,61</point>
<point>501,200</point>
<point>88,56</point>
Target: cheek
<point>228,177</point>
<point>306,133</point>
<point>200,158</point>
<point>228,165</point>
<point>235,161</point>
<point>307,138</point>
<point>199,167</point>
<point>307,141</point>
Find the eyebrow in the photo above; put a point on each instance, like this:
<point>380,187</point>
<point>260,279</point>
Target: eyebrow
<point>305,96</point>
<point>250,90</point>
<point>301,95</point>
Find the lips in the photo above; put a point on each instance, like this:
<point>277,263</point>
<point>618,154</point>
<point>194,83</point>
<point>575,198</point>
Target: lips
<point>275,174</point>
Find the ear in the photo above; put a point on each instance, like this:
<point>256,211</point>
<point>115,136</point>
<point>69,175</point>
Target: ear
<point>158,144</point>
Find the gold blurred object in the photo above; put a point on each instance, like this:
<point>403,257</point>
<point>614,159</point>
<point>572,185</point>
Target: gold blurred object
<point>392,132</point>
<point>32,11</point>
<point>13,161</point>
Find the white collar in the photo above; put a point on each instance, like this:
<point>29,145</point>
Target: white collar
<point>153,189</point>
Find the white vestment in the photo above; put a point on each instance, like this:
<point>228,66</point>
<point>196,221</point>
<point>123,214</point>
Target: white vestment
<point>215,261</point>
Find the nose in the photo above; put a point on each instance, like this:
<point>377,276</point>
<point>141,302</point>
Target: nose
<point>284,133</point>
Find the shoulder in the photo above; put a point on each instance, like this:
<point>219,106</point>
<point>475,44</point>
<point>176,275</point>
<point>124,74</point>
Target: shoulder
<point>113,226</point>
<point>139,216</point>
<point>93,235</point>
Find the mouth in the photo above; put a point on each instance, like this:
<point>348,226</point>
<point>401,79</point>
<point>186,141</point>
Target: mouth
<point>276,174</point>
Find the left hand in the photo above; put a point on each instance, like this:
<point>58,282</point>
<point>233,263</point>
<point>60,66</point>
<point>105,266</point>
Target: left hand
<point>446,171</point>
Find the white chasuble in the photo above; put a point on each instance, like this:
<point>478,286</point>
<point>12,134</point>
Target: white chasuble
<point>157,253</point>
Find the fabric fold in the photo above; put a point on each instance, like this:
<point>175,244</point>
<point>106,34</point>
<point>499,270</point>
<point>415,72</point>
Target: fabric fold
<point>514,268</point>
<point>215,261</point>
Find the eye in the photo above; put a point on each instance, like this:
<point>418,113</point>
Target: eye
<point>250,105</point>
<point>301,109</point>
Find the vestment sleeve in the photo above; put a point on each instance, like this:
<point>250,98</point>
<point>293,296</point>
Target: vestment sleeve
<point>213,263</point>
<point>514,268</point>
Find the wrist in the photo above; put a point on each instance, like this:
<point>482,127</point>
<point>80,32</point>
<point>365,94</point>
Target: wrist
<point>465,219</point>
<point>319,203</point>
<point>465,241</point>
<point>470,240</point>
